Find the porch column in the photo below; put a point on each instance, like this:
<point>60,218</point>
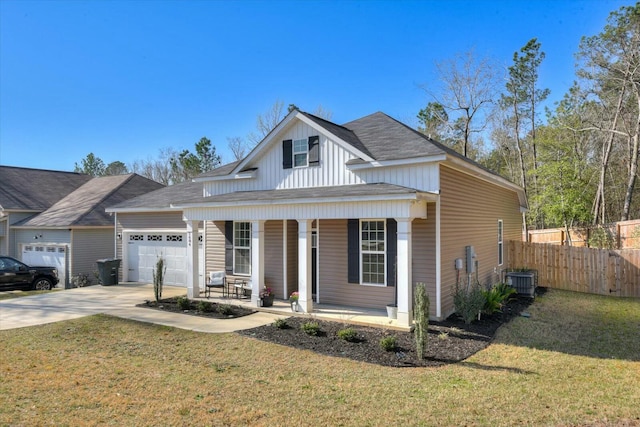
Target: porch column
<point>257,261</point>
<point>305,301</point>
<point>404,287</point>
<point>193,275</point>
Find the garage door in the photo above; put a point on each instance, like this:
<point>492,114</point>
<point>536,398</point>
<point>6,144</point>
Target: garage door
<point>47,256</point>
<point>144,249</point>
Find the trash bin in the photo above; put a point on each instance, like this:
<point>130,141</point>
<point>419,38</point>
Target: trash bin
<point>108,271</point>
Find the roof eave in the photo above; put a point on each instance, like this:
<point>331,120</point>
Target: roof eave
<point>400,162</point>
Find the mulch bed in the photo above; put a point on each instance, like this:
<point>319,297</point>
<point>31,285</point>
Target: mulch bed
<point>199,308</point>
<point>449,341</point>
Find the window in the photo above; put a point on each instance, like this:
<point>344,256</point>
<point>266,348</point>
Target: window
<point>300,151</point>
<point>242,248</point>
<point>372,245</point>
<point>154,237</point>
<point>500,245</point>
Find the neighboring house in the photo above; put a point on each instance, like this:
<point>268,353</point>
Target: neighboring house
<point>75,231</point>
<point>351,215</point>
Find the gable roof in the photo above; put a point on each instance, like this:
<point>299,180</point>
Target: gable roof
<point>86,206</point>
<point>161,199</point>
<point>24,189</point>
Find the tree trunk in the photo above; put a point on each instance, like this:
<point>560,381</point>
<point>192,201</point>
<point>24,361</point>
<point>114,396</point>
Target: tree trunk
<point>599,202</point>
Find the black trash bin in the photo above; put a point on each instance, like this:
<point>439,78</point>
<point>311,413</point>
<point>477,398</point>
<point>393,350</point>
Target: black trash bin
<point>108,271</point>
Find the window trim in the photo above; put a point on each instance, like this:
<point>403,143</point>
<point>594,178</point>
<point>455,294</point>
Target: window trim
<point>500,242</point>
<point>377,252</point>
<point>295,153</point>
<point>235,273</point>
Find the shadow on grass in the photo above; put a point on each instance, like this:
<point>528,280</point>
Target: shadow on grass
<point>579,324</point>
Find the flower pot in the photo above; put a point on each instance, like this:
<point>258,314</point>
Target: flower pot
<point>294,305</point>
<point>267,301</point>
<point>392,311</point>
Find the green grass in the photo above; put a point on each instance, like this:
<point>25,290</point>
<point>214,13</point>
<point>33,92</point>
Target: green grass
<point>575,361</point>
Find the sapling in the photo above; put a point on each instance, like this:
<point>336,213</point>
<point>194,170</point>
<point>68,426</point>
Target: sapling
<point>421,314</point>
<point>158,278</point>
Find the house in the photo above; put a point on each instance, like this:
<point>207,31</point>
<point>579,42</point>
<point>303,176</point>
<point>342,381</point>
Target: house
<point>352,214</point>
<point>59,219</point>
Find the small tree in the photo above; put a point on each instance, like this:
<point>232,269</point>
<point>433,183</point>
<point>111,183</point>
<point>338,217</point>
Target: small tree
<point>421,314</point>
<point>158,278</point>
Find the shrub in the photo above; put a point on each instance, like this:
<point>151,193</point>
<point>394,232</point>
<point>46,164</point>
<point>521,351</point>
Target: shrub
<point>468,304</point>
<point>80,280</point>
<point>205,306</point>
<point>183,303</point>
<point>225,309</point>
<point>348,334</point>
<point>601,238</point>
<point>496,297</point>
<point>281,323</point>
<point>388,343</point>
<point>311,328</point>
<point>421,315</point>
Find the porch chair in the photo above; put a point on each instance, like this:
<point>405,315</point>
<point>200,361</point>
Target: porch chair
<point>217,279</point>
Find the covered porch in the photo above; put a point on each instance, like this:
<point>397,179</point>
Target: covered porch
<point>344,276</point>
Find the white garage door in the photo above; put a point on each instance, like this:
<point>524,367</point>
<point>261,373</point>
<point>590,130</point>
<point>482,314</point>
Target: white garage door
<point>144,249</point>
<point>47,256</point>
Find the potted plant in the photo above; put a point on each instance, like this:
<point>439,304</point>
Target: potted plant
<point>293,299</point>
<point>266,297</point>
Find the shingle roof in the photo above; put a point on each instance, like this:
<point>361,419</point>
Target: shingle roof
<point>388,139</point>
<point>86,206</point>
<point>36,189</point>
<point>342,132</point>
<point>162,198</point>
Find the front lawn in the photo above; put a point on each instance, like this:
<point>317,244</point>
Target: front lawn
<point>575,361</point>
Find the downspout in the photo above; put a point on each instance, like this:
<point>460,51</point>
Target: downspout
<point>438,263</point>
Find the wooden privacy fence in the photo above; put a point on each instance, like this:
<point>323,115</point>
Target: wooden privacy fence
<point>596,271</point>
<point>624,235</point>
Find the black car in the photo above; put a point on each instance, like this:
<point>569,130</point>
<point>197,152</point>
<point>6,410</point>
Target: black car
<point>15,274</point>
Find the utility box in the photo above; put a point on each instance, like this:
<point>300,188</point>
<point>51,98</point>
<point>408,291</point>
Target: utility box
<point>524,282</point>
<point>108,271</point>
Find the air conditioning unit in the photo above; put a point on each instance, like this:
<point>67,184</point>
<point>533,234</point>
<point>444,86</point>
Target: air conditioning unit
<point>524,282</point>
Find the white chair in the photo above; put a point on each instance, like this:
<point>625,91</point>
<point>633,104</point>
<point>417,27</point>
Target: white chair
<point>217,279</point>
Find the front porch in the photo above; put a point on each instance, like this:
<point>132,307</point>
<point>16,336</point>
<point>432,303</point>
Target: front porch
<point>335,313</point>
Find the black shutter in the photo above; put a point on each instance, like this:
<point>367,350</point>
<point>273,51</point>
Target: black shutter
<point>228,247</point>
<point>287,154</point>
<point>392,251</point>
<point>314,150</point>
<point>353,251</point>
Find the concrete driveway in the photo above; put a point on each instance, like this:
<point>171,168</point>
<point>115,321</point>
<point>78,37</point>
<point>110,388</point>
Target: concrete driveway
<point>119,300</point>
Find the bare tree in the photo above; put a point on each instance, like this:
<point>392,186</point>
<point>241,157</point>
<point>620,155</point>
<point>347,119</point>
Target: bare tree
<point>159,169</point>
<point>266,122</point>
<point>237,146</point>
<point>467,93</point>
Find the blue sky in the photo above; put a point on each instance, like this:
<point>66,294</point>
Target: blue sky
<point>123,79</point>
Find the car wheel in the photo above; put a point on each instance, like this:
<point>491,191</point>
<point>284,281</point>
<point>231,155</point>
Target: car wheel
<point>42,284</point>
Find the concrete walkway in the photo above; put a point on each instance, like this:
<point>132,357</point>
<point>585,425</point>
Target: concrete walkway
<point>117,301</point>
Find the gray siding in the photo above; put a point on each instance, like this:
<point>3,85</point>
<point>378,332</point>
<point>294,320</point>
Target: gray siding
<point>273,257</point>
<point>292,256</point>
<point>423,248</point>
<point>87,246</point>
<point>470,209</point>
<point>332,278</point>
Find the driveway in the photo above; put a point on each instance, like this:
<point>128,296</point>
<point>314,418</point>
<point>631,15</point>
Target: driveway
<point>118,301</point>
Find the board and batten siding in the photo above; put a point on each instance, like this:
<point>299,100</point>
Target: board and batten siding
<point>271,175</point>
<point>88,246</point>
<point>469,212</point>
<point>332,278</point>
